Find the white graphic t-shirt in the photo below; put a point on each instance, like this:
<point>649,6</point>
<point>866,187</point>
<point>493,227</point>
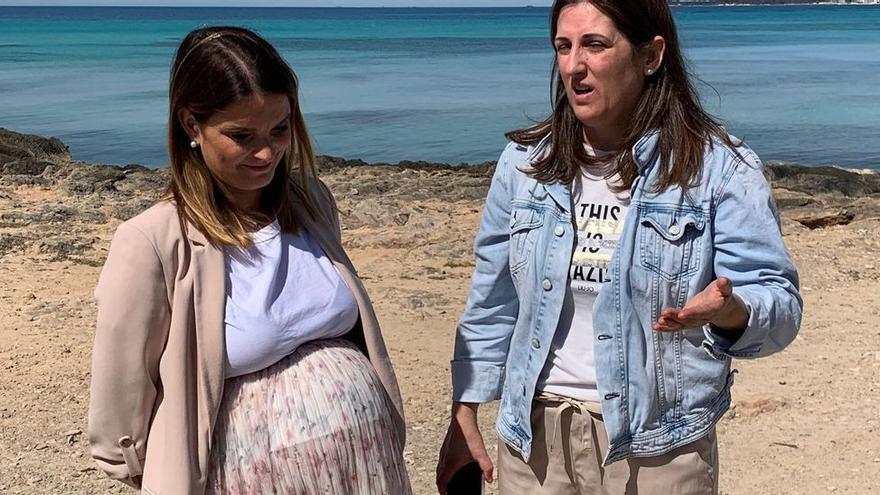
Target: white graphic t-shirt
<point>570,369</point>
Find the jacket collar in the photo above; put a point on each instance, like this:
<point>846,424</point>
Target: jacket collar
<point>560,193</point>
<point>193,234</point>
<point>644,153</point>
<point>646,149</point>
<point>539,149</point>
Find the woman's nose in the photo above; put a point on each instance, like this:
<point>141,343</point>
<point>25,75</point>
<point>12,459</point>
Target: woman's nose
<point>265,151</point>
<point>575,64</point>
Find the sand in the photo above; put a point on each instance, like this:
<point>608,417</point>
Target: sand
<point>803,422</point>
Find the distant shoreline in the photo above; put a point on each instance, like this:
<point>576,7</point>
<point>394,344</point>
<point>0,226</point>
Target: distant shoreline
<point>695,3</point>
<point>770,3</point>
<point>31,154</point>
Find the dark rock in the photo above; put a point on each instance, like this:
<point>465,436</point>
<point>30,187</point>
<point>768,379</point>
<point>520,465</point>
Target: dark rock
<point>331,162</point>
<point>14,219</point>
<point>66,214</point>
<point>64,248</point>
<point>139,180</point>
<point>29,145</point>
<point>26,166</point>
<point>10,243</point>
<point>793,202</point>
<point>813,180</point>
<point>26,180</point>
<point>14,152</point>
<point>401,219</point>
<point>479,169</point>
<point>823,220</point>
<point>90,179</point>
<point>128,209</point>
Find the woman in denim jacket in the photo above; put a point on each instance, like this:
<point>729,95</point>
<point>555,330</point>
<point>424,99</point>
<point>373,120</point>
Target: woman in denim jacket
<point>629,249</point>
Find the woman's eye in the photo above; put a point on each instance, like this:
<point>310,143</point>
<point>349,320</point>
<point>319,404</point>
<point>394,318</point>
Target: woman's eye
<point>240,138</point>
<point>280,129</point>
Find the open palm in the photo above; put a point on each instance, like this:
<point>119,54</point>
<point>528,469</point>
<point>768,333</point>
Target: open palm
<point>715,304</point>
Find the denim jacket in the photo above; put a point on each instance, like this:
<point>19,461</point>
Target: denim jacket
<point>659,390</point>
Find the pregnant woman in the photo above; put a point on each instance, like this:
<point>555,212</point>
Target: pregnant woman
<point>236,350</point>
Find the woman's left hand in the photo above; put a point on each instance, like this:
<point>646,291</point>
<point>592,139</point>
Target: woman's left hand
<point>716,304</point>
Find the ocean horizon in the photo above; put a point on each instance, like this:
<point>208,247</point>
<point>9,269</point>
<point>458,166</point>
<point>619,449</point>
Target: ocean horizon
<point>797,82</point>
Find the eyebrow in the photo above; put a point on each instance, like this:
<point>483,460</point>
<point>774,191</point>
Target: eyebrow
<point>235,128</point>
<point>584,36</point>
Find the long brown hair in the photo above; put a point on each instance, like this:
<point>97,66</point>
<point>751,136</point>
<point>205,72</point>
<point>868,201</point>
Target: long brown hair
<point>668,104</point>
<point>214,67</point>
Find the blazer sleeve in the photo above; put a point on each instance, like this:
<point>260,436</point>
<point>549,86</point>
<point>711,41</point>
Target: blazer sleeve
<point>753,256</point>
<point>133,320</point>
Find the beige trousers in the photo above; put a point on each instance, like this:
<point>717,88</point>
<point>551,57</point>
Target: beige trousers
<point>567,452</point>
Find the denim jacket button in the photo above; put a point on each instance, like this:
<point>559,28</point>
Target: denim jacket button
<point>536,343</point>
<point>674,230</point>
<point>517,442</point>
<point>547,284</point>
<point>559,231</point>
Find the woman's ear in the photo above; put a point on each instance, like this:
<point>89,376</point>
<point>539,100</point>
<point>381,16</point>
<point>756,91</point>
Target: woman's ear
<point>190,125</point>
<point>652,55</point>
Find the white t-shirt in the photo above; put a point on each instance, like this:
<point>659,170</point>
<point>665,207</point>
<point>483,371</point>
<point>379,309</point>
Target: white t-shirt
<point>281,293</point>
<point>570,369</point>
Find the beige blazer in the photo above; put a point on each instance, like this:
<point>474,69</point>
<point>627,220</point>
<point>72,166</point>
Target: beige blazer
<point>158,359</point>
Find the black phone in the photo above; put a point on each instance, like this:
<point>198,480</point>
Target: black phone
<point>467,481</point>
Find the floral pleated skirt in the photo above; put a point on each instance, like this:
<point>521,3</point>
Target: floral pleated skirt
<point>317,422</point>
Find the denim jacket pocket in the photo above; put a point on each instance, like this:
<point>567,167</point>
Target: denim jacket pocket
<point>669,240</point>
<point>524,226</point>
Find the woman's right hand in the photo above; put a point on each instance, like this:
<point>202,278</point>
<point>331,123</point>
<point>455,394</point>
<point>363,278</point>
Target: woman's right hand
<point>463,444</point>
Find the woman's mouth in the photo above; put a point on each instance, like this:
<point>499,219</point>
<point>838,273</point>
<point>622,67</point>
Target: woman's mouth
<point>582,89</point>
<point>259,167</point>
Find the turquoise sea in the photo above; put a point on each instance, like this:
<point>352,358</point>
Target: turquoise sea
<point>799,83</point>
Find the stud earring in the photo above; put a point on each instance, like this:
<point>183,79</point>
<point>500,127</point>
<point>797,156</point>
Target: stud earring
<point>193,144</point>
<point>649,71</point>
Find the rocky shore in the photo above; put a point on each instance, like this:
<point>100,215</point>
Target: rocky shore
<point>803,422</point>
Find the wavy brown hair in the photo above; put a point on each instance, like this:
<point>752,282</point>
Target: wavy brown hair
<point>668,104</point>
<point>214,67</point>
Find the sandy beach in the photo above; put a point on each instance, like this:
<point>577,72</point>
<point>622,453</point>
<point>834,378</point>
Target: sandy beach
<point>803,422</point>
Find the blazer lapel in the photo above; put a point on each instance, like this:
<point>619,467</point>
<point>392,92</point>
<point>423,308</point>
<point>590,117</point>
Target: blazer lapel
<point>209,301</point>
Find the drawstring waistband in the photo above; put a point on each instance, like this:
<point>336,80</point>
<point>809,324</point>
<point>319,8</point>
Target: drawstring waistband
<point>565,403</point>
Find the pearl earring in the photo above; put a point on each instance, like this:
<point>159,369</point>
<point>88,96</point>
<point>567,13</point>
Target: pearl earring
<point>193,144</point>
<point>650,71</point>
